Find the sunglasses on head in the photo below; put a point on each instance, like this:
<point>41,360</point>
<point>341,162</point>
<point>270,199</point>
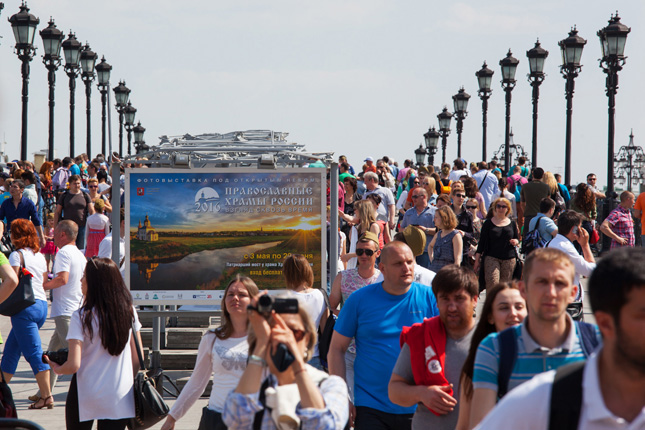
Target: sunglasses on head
<point>367,252</point>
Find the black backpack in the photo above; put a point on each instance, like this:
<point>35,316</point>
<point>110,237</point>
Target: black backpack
<point>508,352</point>
<point>566,397</point>
<point>533,240</point>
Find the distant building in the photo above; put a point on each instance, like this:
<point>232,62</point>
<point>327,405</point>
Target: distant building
<point>147,233</point>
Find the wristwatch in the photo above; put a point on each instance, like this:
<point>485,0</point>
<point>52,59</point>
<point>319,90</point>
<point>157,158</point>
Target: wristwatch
<point>258,361</point>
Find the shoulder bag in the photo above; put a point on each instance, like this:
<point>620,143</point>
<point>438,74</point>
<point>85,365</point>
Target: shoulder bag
<point>7,405</point>
<point>22,296</point>
<point>324,338</point>
<point>149,405</point>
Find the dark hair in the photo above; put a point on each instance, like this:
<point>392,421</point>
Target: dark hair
<point>453,278</point>
<point>591,174</point>
<point>352,182</point>
<point>625,195</point>
<point>24,234</point>
<point>585,199</point>
<point>483,329</point>
<point>521,160</point>
<point>101,174</point>
<point>19,182</point>
<point>459,164</point>
<point>482,165</point>
<point>225,330</point>
<point>546,204</point>
<point>122,215</point>
<point>345,166</point>
<point>66,162</point>
<point>567,220</point>
<point>502,183</point>
<point>74,178</point>
<point>110,302</point>
<point>297,270</point>
<point>94,165</point>
<point>470,187</point>
<point>374,197</point>
<point>444,198</point>
<point>538,172</point>
<point>615,276</point>
<point>28,176</point>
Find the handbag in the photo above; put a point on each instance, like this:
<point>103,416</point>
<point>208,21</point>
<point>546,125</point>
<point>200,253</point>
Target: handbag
<point>595,236</point>
<point>22,296</point>
<point>7,406</point>
<point>149,405</point>
<point>211,420</point>
<point>519,266</point>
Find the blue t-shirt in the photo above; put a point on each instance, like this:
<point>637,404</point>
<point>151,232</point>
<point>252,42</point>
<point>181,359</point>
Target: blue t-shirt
<point>546,226</point>
<point>74,170</point>
<point>375,319</point>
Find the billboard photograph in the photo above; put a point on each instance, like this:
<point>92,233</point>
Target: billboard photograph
<point>192,231</point>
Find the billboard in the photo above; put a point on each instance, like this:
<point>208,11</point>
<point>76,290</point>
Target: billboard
<point>192,231</point>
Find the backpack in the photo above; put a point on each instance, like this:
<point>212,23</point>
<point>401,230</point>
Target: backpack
<point>533,240</point>
<point>515,187</point>
<point>508,352</point>
<point>566,397</point>
<point>445,189</point>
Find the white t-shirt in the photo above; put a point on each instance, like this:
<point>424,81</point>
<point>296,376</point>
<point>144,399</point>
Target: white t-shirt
<point>225,360</point>
<point>422,276</point>
<point>104,381</point>
<point>98,222</point>
<point>105,251</point>
<point>67,299</point>
<point>313,302</point>
<point>36,265</point>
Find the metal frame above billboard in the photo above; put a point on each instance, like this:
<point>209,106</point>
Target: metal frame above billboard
<point>190,232</point>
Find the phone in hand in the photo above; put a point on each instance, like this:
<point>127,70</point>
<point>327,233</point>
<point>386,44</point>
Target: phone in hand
<point>575,230</point>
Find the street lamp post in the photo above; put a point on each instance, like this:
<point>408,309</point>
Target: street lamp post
<point>536,57</point>
<point>420,155</point>
<point>444,130</point>
<point>460,102</point>
<point>128,113</point>
<point>52,39</point>
<point>72,51</point>
<point>103,70</point>
<point>139,144</point>
<point>121,95</point>
<point>630,160</point>
<point>509,67</point>
<point>612,41</point>
<point>88,61</point>
<point>24,29</point>
<point>484,78</point>
<point>571,49</point>
<point>432,142</point>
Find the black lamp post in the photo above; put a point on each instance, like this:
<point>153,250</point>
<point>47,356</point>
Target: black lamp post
<point>88,61</point>
<point>536,57</point>
<point>128,113</point>
<point>444,130</point>
<point>630,162</point>
<point>484,78</point>
<point>72,51</point>
<point>139,143</point>
<point>52,39</point>
<point>571,49</point>
<point>420,155</point>
<point>509,67</point>
<point>432,142</point>
<point>103,70</point>
<point>460,102</point>
<point>24,29</point>
<point>121,95</point>
<point>612,41</point>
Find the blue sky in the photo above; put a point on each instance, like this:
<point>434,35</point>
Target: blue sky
<point>359,77</point>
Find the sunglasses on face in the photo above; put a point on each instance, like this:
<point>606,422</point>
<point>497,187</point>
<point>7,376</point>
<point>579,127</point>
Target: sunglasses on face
<point>367,252</point>
<point>462,196</point>
<point>93,186</point>
<point>501,207</point>
<point>418,196</point>
<point>471,207</point>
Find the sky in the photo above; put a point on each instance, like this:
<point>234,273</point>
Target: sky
<point>354,77</point>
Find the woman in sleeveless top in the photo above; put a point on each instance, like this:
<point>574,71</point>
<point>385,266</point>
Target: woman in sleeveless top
<point>98,226</point>
<point>446,246</point>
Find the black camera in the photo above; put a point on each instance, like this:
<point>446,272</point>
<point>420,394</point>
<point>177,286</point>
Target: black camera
<point>59,357</point>
<point>266,304</point>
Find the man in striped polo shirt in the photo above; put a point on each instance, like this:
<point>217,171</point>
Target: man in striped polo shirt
<point>547,339</point>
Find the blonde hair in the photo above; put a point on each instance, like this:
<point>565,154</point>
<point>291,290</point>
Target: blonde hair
<point>366,213</point>
<point>432,185</point>
<point>493,205</point>
<point>547,255</point>
<point>99,205</point>
<point>549,179</point>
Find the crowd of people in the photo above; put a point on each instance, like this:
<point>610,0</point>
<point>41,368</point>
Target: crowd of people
<point>395,343</point>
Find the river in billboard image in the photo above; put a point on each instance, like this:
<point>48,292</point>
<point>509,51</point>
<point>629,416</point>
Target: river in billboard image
<point>199,271</point>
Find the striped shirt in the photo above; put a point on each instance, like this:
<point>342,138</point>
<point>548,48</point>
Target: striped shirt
<point>531,357</point>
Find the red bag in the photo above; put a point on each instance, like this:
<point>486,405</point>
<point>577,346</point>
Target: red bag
<point>595,237</point>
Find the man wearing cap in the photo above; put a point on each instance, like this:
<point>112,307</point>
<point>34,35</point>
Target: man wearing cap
<point>421,215</point>
<point>374,316</point>
<point>350,280</point>
<point>386,210</point>
<point>369,165</point>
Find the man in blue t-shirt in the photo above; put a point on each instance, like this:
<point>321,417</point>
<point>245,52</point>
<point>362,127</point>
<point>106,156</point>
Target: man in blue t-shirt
<point>374,316</point>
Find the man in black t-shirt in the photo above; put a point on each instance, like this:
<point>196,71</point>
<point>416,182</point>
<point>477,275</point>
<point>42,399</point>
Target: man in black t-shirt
<point>74,205</point>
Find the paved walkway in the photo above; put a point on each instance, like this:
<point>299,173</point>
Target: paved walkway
<point>23,385</point>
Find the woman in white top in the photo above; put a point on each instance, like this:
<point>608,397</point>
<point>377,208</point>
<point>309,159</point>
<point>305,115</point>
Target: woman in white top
<point>299,277</point>
<point>102,352</point>
<point>223,353</point>
<point>24,337</point>
<point>96,228</point>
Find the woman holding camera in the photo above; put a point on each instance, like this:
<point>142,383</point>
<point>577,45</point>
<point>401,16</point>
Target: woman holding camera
<point>24,338</point>
<point>294,393</point>
<point>223,353</point>
<point>102,352</point>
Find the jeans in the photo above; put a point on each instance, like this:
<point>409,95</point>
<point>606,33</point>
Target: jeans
<point>80,239</point>
<point>24,339</point>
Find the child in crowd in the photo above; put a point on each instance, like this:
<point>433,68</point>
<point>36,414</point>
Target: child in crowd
<point>50,250</point>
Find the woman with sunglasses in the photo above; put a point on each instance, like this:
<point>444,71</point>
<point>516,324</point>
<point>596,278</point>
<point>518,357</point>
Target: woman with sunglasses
<point>294,394</point>
<point>430,186</point>
<point>464,219</point>
<point>102,355</point>
<point>221,356</point>
<point>499,237</point>
<point>93,187</point>
<point>447,244</point>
